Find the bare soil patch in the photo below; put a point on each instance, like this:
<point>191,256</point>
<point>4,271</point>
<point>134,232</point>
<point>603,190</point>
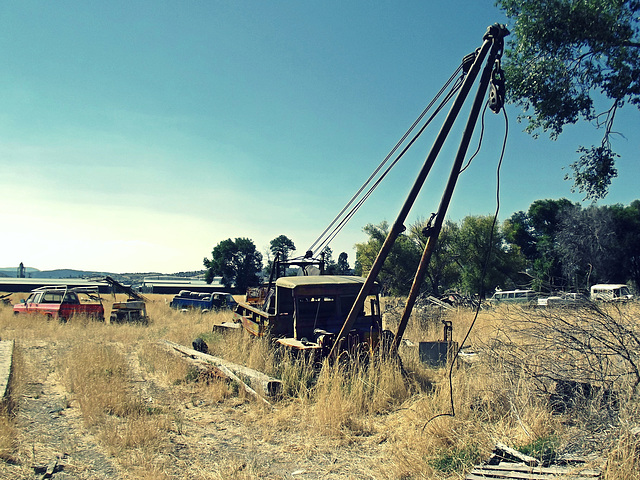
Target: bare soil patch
<point>234,438</point>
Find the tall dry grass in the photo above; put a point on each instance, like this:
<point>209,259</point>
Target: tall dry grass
<point>434,423</point>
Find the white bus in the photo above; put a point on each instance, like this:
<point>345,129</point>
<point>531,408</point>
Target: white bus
<point>513,296</point>
<point>610,293</point>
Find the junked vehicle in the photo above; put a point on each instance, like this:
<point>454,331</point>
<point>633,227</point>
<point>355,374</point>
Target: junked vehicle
<point>132,310</point>
<point>563,299</point>
<point>610,293</point>
<point>204,301</point>
<point>513,296</point>
<point>307,313</point>
<point>63,302</point>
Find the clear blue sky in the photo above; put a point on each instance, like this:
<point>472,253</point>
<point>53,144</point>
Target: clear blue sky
<point>135,136</point>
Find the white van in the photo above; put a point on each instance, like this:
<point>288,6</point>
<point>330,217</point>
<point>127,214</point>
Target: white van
<point>610,293</point>
<point>513,296</point>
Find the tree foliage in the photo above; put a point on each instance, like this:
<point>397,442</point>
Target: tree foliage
<point>485,259</point>
<point>443,272</point>
<point>398,270</point>
<point>457,261</point>
<point>280,247</point>
<point>564,59</point>
<point>339,267</point>
<point>236,261</point>
<point>556,245</point>
<point>626,223</point>
<point>283,246</point>
<point>570,247</point>
<point>342,265</point>
<point>535,232</point>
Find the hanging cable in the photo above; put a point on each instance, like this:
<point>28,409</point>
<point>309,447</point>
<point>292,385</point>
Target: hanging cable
<point>352,212</point>
<point>319,243</point>
<point>485,266</point>
<point>479,140</point>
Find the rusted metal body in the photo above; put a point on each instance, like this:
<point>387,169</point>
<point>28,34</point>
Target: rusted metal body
<point>132,310</point>
<point>306,312</point>
<point>62,303</point>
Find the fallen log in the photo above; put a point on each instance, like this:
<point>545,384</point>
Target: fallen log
<point>256,383</point>
<point>502,452</point>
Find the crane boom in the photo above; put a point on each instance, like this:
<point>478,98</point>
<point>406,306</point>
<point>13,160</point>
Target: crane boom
<point>491,50</point>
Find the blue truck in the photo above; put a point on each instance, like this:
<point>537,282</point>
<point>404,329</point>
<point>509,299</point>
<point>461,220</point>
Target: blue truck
<point>204,301</point>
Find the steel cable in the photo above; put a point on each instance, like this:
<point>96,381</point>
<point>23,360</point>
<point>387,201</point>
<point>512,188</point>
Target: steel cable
<point>325,238</point>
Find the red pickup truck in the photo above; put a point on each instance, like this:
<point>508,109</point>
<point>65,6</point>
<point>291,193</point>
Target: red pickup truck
<point>63,303</point>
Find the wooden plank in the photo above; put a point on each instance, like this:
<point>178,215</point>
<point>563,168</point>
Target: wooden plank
<point>297,344</point>
<point>259,381</point>
<point>6,362</point>
<point>523,472</point>
<point>506,474</point>
<point>439,303</point>
<point>503,451</point>
<point>507,463</point>
<point>227,326</point>
<point>553,469</point>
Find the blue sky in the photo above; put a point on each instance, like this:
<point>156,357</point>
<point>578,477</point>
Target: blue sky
<point>135,136</point>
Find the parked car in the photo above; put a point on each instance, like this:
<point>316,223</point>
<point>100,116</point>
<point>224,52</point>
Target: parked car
<point>203,301</point>
<point>62,302</point>
<point>572,300</point>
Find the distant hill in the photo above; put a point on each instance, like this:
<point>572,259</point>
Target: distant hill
<point>127,278</point>
<point>68,273</point>
<point>58,273</point>
<point>13,271</point>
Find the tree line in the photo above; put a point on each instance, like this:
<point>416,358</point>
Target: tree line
<point>556,245</point>
<point>239,264</point>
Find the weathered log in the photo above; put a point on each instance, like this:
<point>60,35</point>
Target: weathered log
<point>252,380</point>
<point>503,452</point>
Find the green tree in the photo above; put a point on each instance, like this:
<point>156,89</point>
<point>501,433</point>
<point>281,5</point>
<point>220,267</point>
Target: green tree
<point>399,268</point>
<point>567,56</point>
<point>626,222</point>
<point>535,233</point>
<point>342,267</point>
<point>474,241</point>
<point>280,247</point>
<point>443,272</point>
<point>330,265</point>
<point>237,262</point>
<point>283,246</point>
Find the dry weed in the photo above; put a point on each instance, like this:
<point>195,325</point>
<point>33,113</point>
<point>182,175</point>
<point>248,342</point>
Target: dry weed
<point>409,414</point>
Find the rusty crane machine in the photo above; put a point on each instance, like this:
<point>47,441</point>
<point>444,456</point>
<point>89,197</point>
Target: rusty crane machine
<point>484,62</point>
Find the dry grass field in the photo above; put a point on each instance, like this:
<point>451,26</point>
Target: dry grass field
<point>106,401</point>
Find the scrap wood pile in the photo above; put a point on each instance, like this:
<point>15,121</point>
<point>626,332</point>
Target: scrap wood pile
<point>508,464</point>
<point>448,301</point>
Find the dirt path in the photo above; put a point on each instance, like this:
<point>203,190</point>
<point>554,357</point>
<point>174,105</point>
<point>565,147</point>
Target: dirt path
<point>51,431</point>
<point>208,440</point>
